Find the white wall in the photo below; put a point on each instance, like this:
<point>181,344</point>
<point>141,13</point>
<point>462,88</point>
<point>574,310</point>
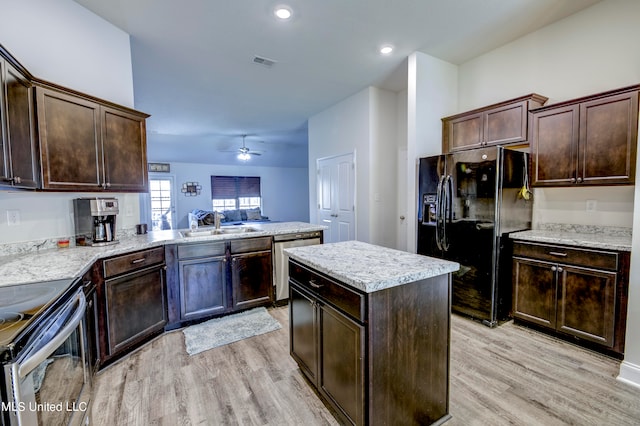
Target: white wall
<point>285,191</point>
<point>365,124</point>
<point>589,52</point>
<point>432,94</point>
<point>383,174</point>
<point>62,42</point>
<point>586,53</point>
<point>50,215</point>
<point>342,129</point>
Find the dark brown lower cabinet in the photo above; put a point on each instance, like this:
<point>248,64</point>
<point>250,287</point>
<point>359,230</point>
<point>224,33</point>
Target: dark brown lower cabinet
<point>135,307</point>
<point>131,301</point>
<point>203,287</point>
<point>212,278</point>
<point>573,292</point>
<point>249,273</point>
<point>376,358</point>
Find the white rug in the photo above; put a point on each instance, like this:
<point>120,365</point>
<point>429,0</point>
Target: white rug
<point>222,331</point>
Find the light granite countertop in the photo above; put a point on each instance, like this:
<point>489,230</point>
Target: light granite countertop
<point>369,267</point>
<point>597,240</point>
<point>63,263</point>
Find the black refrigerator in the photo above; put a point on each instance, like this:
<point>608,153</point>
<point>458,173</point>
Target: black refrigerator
<point>468,203</point>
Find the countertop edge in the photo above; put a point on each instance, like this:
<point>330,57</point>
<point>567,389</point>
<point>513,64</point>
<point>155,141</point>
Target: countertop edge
<point>73,262</point>
<point>589,241</point>
<point>354,277</point>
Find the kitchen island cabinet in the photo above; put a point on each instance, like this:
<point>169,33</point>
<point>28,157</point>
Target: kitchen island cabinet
<point>369,328</point>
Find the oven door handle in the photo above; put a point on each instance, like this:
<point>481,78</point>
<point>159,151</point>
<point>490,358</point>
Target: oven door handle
<point>26,366</point>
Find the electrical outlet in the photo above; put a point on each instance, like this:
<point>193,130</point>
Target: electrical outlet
<point>592,205</point>
<point>13,217</point>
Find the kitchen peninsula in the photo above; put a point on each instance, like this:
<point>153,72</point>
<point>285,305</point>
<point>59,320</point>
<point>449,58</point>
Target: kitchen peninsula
<point>370,328</point>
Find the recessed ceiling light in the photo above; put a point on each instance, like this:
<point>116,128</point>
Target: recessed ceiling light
<point>283,12</point>
<point>386,49</point>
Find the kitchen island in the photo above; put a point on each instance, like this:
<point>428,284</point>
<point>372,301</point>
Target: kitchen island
<point>370,329</point>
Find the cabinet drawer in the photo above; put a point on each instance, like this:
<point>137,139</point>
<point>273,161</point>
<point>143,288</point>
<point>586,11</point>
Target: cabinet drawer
<point>573,256</point>
<point>339,295</point>
<point>133,261</point>
<point>250,244</point>
<point>201,250</point>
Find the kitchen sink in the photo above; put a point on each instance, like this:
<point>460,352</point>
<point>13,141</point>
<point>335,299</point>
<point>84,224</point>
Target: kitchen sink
<point>221,231</point>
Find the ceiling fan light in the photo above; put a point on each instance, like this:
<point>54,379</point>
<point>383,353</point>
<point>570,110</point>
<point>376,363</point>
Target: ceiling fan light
<point>244,156</point>
<point>283,13</point>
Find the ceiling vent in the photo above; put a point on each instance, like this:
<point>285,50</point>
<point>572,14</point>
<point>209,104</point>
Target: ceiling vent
<point>263,61</point>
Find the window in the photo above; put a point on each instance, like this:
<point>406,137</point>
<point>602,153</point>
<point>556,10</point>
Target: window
<point>235,192</point>
<point>160,191</point>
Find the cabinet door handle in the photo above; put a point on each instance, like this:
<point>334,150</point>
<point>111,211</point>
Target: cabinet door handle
<point>133,262</point>
<point>573,180</point>
<point>313,284</point>
<point>557,253</point>
<point>559,268</point>
<point>554,269</point>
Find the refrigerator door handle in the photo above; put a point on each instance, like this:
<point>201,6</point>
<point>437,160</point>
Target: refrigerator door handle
<point>447,210</point>
<point>439,212</point>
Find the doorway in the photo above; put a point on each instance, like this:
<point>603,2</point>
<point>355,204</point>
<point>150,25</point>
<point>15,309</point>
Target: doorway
<point>162,201</point>
<point>336,197</point>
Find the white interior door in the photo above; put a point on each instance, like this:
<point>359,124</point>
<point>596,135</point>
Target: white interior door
<point>401,230</point>
<point>336,197</point>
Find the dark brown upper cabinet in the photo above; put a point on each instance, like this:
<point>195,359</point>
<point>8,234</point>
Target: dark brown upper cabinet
<point>498,124</point>
<point>19,166</point>
<point>89,145</point>
<point>586,141</point>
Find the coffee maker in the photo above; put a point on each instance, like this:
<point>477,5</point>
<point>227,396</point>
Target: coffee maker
<point>95,220</point>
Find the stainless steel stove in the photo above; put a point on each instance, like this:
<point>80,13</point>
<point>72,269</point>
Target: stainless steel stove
<point>42,340</point>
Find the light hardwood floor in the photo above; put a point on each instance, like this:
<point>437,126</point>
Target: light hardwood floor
<point>509,375</point>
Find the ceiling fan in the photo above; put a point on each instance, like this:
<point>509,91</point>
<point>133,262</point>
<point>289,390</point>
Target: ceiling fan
<point>245,153</point>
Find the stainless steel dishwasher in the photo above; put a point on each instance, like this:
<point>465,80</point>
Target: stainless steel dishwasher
<point>280,258</point>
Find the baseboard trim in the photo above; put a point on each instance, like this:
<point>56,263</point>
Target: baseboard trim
<point>629,374</point>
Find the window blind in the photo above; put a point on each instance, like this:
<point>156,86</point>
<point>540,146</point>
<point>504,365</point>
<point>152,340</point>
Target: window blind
<point>248,186</point>
<point>225,187</point>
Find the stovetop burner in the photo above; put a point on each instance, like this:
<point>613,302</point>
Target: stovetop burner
<point>7,319</point>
